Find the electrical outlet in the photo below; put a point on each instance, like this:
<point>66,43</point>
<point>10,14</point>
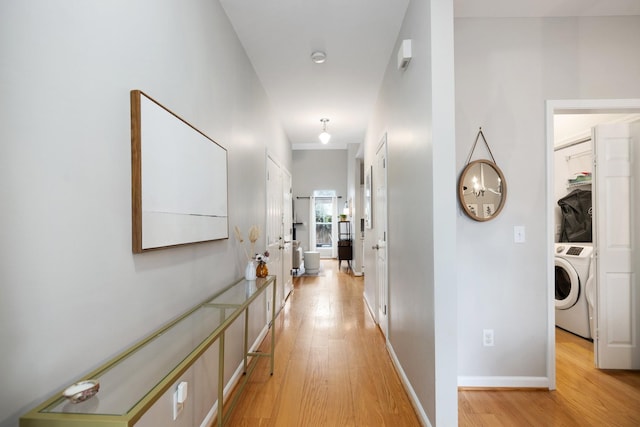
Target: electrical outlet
<point>179,397</point>
<point>487,337</point>
<point>177,406</point>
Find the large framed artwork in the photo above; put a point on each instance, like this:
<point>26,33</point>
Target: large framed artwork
<point>178,179</point>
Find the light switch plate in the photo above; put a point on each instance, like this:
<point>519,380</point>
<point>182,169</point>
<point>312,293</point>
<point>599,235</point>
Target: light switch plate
<point>519,234</point>
<point>487,337</point>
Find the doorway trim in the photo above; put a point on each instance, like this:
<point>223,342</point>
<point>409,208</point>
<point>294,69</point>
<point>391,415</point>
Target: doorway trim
<point>569,106</point>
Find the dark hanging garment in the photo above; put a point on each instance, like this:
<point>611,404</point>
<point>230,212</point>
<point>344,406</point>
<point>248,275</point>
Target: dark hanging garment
<point>576,222</point>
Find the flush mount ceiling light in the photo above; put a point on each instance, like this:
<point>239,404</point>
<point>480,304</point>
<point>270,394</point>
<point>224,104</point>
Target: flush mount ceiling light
<point>324,136</point>
<point>318,57</point>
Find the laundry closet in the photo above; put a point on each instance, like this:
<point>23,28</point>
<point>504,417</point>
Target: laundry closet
<point>596,235</point>
<point>573,249</point>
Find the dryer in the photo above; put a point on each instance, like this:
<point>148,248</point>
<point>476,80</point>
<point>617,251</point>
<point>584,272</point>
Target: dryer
<point>572,262</point>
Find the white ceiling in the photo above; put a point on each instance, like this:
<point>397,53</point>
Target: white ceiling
<point>358,37</point>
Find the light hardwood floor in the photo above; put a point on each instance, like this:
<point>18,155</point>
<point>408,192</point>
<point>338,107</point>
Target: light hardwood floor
<point>331,364</point>
<point>332,369</point>
<point>584,395</point>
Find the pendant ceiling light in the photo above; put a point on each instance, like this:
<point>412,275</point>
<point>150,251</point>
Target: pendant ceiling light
<point>324,136</point>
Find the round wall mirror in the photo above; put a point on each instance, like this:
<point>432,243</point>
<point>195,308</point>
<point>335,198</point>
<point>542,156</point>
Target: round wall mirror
<point>482,190</point>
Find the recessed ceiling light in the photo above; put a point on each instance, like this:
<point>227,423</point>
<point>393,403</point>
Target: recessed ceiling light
<point>318,57</point>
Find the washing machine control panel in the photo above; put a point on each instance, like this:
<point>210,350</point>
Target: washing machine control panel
<point>574,250</point>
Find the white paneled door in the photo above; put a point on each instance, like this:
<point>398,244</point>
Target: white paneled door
<point>618,294</point>
<point>380,228</point>
<point>279,229</point>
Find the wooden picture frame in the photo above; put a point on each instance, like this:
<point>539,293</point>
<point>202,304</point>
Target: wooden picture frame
<point>178,179</point>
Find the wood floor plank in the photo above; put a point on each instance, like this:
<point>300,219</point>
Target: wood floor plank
<point>585,396</point>
<point>332,369</point>
<point>339,386</point>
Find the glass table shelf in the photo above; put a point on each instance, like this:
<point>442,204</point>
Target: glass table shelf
<point>131,382</point>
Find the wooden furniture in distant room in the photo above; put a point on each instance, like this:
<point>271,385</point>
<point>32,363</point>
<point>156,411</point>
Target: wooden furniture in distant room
<point>345,244</point>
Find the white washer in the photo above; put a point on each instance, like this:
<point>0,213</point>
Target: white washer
<point>572,262</point>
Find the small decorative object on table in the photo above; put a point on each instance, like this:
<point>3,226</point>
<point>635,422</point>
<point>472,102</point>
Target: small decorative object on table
<point>79,392</point>
<point>254,234</point>
<point>250,271</point>
<point>261,269</point>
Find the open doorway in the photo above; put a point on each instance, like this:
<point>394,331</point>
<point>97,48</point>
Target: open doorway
<point>573,125</point>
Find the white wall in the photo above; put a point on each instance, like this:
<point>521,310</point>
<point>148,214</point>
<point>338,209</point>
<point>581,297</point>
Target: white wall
<point>505,70</point>
<point>415,108</point>
<point>72,294</point>
<point>316,170</point>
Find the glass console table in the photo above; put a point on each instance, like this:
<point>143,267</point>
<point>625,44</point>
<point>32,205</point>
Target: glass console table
<point>134,380</point>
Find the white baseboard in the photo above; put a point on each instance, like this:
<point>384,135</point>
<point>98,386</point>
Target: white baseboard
<point>422,416</point>
<point>371,312</point>
<point>503,382</point>
<point>208,420</point>
<point>233,381</point>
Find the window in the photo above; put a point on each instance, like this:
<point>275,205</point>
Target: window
<point>323,222</point>
<point>324,209</point>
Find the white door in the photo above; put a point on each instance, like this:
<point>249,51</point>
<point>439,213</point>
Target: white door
<point>617,329</point>
<point>287,227</point>
<point>380,221</point>
<point>274,237</point>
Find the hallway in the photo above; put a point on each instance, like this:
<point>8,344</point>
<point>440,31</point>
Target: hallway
<point>331,365</point>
